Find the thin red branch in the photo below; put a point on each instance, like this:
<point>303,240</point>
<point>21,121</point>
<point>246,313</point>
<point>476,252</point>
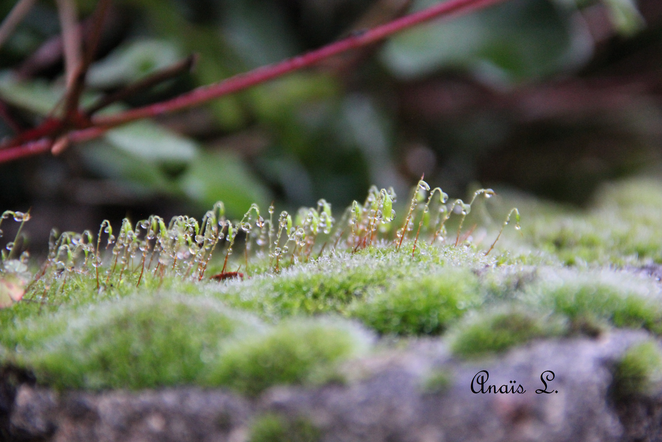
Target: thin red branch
<point>25,150</point>
<point>45,144</point>
<point>48,127</point>
<point>266,73</point>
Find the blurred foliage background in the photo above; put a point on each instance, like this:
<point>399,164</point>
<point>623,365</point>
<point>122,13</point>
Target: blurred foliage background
<point>546,96</point>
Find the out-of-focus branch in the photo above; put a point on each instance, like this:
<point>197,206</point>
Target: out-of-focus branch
<point>266,73</point>
<point>71,38</point>
<point>53,130</point>
<point>144,84</point>
<point>18,12</point>
<point>78,83</point>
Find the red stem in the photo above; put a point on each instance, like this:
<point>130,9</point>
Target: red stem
<point>265,73</point>
<point>44,145</point>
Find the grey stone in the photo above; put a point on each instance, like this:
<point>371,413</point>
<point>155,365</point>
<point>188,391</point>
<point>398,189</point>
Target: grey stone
<point>388,397</point>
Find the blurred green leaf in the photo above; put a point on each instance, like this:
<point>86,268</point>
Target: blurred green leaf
<point>290,175</point>
<point>132,61</point>
<point>110,161</point>
<point>515,41</point>
<point>222,177</point>
<point>287,94</point>
<point>148,141</point>
<point>625,16</point>
<point>36,96</point>
<point>259,32</point>
<point>217,59</point>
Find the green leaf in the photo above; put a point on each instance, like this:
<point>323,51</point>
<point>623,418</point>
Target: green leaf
<point>217,59</point>
<point>625,16</point>
<point>222,177</point>
<point>261,35</point>
<point>35,96</point>
<point>108,160</point>
<point>516,41</point>
<point>132,61</point>
<point>150,142</point>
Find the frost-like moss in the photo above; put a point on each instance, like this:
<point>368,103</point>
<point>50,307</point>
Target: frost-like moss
<point>499,330</point>
<point>295,351</point>
<point>333,284</point>
<point>621,228</point>
<point>421,306</point>
<point>77,329</point>
<point>621,299</point>
<point>134,343</point>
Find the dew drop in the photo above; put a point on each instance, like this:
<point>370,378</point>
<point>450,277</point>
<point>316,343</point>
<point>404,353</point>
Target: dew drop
<point>20,216</point>
<point>166,259</point>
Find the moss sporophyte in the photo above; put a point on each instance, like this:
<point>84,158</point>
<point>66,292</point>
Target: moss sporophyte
<point>160,303</point>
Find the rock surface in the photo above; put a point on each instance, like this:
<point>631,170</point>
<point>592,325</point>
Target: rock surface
<point>419,393</point>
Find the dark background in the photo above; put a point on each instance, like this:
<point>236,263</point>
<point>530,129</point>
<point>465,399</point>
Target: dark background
<point>549,97</point>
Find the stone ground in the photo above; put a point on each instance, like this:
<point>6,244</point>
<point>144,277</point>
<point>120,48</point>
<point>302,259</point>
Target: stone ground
<point>418,393</point>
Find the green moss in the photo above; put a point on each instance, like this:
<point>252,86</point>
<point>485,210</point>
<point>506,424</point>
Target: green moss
<point>338,283</point>
<point>133,343</point>
<point>437,381</point>
<point>316,290</point>
<point>621,299</point>
<point>294,352</point>
<point>420,306</point>
<point>621,228</point>
<point>75,334</point>
<point>638,371</point>
<point>275,428</point>
<point>496,331</point>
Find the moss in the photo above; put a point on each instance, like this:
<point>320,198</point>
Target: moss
<point>338,283</point>
<point>499,330</point>
<point>437,381</point>
<point>76,334</point>
<point>133,343</point>
<point>319,291</point>
<point>421,306</point>
<point>638,371</point>
<point>621,228</point>
<point>294,352</point>
<point>276,428</point>
<point>595,297</point>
